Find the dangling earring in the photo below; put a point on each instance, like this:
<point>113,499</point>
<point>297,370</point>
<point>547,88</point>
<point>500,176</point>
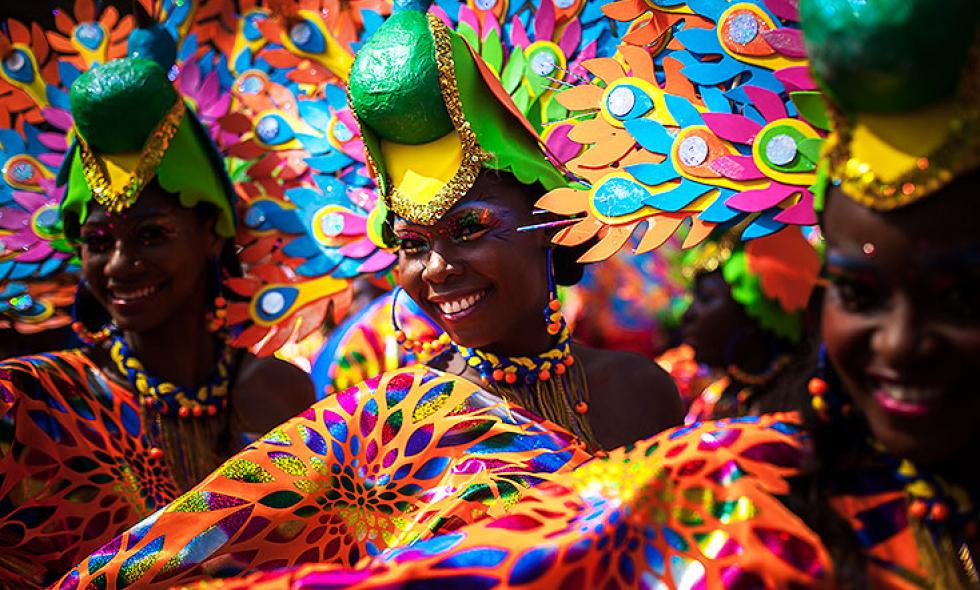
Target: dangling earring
<point>824,399</point>
<point>216,317</point>
<point>78,325</point>
<point>552,311</point>
<point>432,347</point>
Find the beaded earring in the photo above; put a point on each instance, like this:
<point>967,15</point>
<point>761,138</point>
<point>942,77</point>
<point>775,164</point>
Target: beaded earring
<point>823,398</point>
<point>216,317</point>
<point>428,347</point>
<point>552,311</point>
<point>78,326</point>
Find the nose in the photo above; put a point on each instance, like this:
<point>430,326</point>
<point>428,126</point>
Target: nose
<point>438,267</point>
<point>123,260</point>
<point>902,338</point>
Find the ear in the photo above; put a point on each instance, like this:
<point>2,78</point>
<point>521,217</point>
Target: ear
<point>215,243</point>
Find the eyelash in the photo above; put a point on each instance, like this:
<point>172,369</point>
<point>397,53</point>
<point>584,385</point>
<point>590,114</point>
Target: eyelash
<point>148,236</point>
<point>466,229</point>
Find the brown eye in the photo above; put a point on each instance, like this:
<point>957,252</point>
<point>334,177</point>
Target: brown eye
<point>411,245</point>
<point>96,243</point>
<point>857,296</point>
<point>150,235</point>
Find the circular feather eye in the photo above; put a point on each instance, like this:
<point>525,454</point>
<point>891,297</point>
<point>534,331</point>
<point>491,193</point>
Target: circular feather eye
<point>23,172</point>
<point>625,101</point>
<point>273,303</point>
<point>89,35</point>
<point>273,130</point>
<point>19,67</point>
<point>307,37</point>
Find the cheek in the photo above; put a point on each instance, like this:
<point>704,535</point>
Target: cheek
<point>410,276</point>
<point>847,339</point>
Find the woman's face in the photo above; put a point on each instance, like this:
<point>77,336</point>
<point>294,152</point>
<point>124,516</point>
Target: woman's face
<point>147,265</point>
<point>482,281</point>
<point>901,318</point>
<point>713,319</point>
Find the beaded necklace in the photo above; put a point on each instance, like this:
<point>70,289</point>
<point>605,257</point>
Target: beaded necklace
<point>944,519</point>
<point>551,384</point>
<point>167,399</point>
<point>189,428</point>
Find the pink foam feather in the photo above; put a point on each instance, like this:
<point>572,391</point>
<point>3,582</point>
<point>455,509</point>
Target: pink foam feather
<point>30,201</point>
<point>466,15</point>
<point>354,225</point>
<point>769,103</point>
<point>796,78</point>
<point>737,167</point>
<point>801,213</point>
<point>518,34</point>
<point>789,42</point>
<point>544,21</point>
<point>732,127</point>
<point>563,148</point>
<point>379,261</point>
<point>358,249</point>
<point>761,199</point>
<point>785,9</point>
<point>59,118</point>
<point>571,37</point>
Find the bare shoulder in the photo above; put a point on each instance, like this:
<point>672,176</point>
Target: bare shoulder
<point>632,387</point>
<point>269,391</point>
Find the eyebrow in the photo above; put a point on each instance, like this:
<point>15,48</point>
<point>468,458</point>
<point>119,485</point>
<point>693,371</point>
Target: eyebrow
<point>969,256</point>
<point>852,262</point>
<point>107,219</point>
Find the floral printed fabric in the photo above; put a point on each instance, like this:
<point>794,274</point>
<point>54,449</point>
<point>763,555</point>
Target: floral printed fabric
<point>694,508</point>
<point>75,470</point>
<point>393,460</point>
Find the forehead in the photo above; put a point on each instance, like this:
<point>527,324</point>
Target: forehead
<point>152,202</point>
<point>939,227</point>
<point>505,197</point>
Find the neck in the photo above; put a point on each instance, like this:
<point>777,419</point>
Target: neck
<point>755,355</point>
<point>531,340</point>
<point>181,350</point>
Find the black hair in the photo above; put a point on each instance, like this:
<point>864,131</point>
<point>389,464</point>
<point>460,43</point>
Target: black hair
<point>836,446</point>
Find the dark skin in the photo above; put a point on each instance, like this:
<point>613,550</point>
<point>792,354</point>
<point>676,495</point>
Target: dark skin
<point>147,267</point>
<point>901,323</point>
<point>475,252</point>
<point>714,320</point>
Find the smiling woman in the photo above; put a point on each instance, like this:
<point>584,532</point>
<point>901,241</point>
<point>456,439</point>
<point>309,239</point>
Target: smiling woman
<point>459,171</point>
<point>95,438</point>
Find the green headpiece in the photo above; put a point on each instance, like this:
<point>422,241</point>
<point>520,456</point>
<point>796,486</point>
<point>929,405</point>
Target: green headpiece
<point>903,83</point>
<point>432,115</point>
<point>132,125</point>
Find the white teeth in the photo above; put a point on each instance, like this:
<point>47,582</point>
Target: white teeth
<point>458,305</point>
<point>911,394</point>
<point>131,295</point>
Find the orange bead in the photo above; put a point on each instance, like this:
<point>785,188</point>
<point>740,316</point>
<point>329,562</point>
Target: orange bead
<point>220,301</point>
<point>212,411</point>
<point>939,512</point>
<point>155,452</point>
<point>559,369</point>
<point>817,386</point>
<point>569,360</point>
<point>581,408</point>
<point>184,412</point>
<point>554,305</point>
<point>498,375</point>
<point>198,411</point>
<point>510,378</point>
<point>917,509</point>
<point>554,328</point>
<point>544,375</point>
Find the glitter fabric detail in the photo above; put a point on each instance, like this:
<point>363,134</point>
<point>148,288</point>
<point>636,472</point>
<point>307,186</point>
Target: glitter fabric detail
<point>156,146</point>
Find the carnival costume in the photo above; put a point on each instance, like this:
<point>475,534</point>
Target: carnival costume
<point>711,505</point>
<point>368,468</point>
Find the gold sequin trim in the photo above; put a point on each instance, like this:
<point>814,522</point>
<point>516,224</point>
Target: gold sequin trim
<point>156,146</point>
<point>473,155</point>
<point>960,153</point>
